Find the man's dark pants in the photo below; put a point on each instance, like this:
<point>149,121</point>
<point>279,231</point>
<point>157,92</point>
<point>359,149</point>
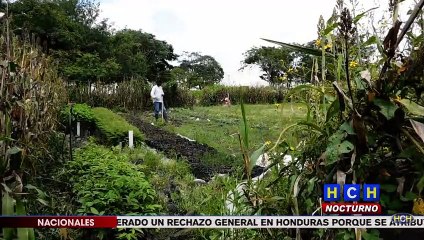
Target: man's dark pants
<point>158,110</point>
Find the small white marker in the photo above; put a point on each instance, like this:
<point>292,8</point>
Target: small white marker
<point>78,129</point>
<point>130,139</point>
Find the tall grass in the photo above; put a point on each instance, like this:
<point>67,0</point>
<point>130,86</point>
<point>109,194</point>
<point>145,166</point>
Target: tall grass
<point>213,95</point>
<point>130,95</point>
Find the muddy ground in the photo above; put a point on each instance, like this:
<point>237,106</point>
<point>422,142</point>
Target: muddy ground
<point>175,146</point>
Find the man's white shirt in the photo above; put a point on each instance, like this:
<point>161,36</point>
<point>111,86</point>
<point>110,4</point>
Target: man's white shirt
<point>157,94</point>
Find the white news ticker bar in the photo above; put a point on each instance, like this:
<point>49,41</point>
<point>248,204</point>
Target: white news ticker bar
<point>264,222</point>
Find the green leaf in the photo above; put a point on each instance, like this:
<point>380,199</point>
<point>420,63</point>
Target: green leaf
<point>20,208</point>
<point>306,50</point>
<point>387,108</point>
<point>347,128</point>
<point>420,185</point>
<point>384,200</point>
<point>336,147</point>
<point>361,15</point>
<point>40,193</point>
<point>42,201</point>
<point>4,138</point>
<point>333,110</point>
<point>23,233</point>
<point>311,184</point>
<point>245,127</point>
<point>345,147</point>
<point>409,152</point>
<point>94,211</point>
<point>31,234</point>
<point>409,196</point>
<point>330,28</point>
<point>255,155</point>
<point>412,107</point>
<point>7,210</point>
<point>371,40</point>
<point>359,83</point>
<point>7,204</point>
<point>13,150</point>
<point>371,235</point>
<point>388,188</point>
<point>314,127</point>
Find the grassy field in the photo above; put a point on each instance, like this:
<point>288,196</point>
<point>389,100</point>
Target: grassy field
<point>218,126</point>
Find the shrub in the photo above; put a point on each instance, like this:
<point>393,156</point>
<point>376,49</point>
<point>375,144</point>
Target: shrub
<point>81,113</point>
<point>105,182</point>
<point>112,127</point>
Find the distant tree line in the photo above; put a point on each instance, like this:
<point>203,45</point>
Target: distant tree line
<point>88,49</point>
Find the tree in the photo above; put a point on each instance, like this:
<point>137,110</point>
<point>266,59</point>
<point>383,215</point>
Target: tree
<point>84,46</point>
<point>89,68</point>
<point>274,62</point>
<point>141,55</point>
<point>180,76</point>
<point>56,24</point>
<point>201,70</point>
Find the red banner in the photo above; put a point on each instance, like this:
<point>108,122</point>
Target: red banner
<point>58,222</point>
<point>351,208</point>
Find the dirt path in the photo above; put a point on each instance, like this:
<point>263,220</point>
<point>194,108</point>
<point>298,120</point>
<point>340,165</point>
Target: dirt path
<point>173,145</point>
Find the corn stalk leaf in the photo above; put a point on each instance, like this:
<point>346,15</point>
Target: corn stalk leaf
<point>245,127</point>
<point>304,87</point>
<point>306,50</point>
<point>330,28</point>
<point>314,127</point>
<point>412,107</point>
<point>255,155</point>
<point>371,40</point>
<point>23,233</point>
<point>419,128</point>
<point>361,15</point>
<point>7,209</point>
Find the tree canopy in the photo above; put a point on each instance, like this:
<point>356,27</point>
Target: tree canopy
<point>85,47</point>
<point>197,70</point>
<point>279,65</point>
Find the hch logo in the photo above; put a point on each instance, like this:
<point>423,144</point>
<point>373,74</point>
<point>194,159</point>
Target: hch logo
<point>402,219</point>
<point>351,192</point>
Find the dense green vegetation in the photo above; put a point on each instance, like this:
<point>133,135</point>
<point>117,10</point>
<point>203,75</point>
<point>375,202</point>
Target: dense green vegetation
<point>80,112</point>
<point>113,128</point>
<point>361,120</point>
<point>84,45</point>
<point>105,182</point>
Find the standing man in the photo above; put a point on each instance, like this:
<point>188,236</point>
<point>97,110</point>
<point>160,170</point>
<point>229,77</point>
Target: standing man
<point>157,96</point>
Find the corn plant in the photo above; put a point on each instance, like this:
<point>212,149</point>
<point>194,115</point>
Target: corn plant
<point>249,159</point>
<point>30,93</point>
